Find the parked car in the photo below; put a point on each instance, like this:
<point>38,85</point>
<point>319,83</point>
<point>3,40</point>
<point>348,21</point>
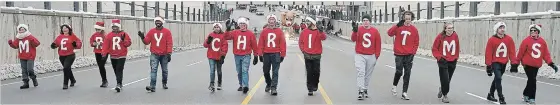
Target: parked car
<point>253,9</point>
<point>260,13</point>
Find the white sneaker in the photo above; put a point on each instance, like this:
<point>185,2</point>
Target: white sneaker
<point>394,90</point>
<point>405,96</point>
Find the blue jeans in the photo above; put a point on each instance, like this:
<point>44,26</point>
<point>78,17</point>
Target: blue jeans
<point>242,63</point>
<point>155,60</point>
<point>215,66</point>
<point>499,70</point>
<point>271,60</point>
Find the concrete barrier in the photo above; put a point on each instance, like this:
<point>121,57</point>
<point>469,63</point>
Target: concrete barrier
<point>45,26</point>
<point>474,31</point>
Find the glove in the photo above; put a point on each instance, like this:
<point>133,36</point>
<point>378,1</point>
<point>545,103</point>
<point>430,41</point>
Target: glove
<point>122,38</point>
<point>261,58</point>
<point>222,59</point>
<point>513,68</point>
<point>281,59</point>
<point>255,60</point>
<point>141,35</point>
<point>489,70</point>
<point>210,38</point>
<point>74,44</point>
<point>553,67</point>
<point>9,42</point>
<point>53,46</point>
<point>354,27</point>
<point>168,57</point>
<point>401,23</point>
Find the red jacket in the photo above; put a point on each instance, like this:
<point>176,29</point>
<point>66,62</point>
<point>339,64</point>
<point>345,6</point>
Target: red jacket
<point>499,50</point>
<point>26,47</point>
<point>368,41</point>
<point>446,47</point>
<point>64,44</point>
<point>244,42</point>
<point>96,37</point>
<point>410,36</point>
<point>218,47</point>
<point>115,46</point>
<point>276,45</point>
<point>310,41</point>
<point>161,41</point>
<point>533,51</point>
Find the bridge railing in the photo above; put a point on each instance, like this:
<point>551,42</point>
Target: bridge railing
<point>45,26</point>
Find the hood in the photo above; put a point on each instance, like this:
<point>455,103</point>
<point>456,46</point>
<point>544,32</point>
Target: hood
<point>24,34</point>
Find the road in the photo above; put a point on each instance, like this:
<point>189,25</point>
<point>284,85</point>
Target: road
<point>188,82</point>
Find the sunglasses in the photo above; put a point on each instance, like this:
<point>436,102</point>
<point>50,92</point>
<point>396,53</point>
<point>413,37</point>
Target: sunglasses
<point>533,30</point>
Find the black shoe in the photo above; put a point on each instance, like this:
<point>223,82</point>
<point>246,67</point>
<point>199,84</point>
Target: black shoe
<point>366,94</point>
<point>118,88</point>
<point>150,89</point>
<point>104,84</point>
<point>35,83</point>
<point>360,95</point>
<point>219,86</point>
<point>267,89</point>
<point>240,89</point>
<point>64,87</point>
<point>310,93</point>
<point>445,99</point>
<point>502,100</point>
<point>490,97</point>
<point>439,93</point>
<point>72,83</point>
<point>211,87</point>
<point>314,89</point>
<point>165,86</point>
<point>404,96</point>
<point>245,89</point>
<point>25,85</point>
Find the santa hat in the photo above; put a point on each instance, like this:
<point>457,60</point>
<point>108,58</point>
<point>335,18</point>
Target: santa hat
<point>24,34</point>
<point>243,20</point>
<point>271,16</point>
<point>219,25</point>
<point>498,25</point>
<point>536,26</point>
<point>116,22</point>
<point>160,19</point>
<point>99,25</point>
<point>311,20</point>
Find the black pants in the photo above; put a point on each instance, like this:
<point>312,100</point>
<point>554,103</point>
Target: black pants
<point>101,61</point>
<point>403,62</point>
<point>118,67</point>
<point>271,61</point>
<point>446,70</point>
<point>531,87</point>
<point>313,71</point>
<point>67,62</point>
<point>499,70</point>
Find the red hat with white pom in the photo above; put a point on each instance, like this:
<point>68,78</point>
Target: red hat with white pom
<point>99,25</point>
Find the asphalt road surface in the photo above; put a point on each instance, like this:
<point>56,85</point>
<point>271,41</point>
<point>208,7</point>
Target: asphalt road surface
<point>189,79</point>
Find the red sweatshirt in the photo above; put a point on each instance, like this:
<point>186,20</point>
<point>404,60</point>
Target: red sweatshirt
<point>26,47</point>
<point>310,41</point>
<point>64,44</point>
<point>368,41</point>
<point>406,39</point>
<point>218,47</point>
<point>499,50</point>
<point>272,41</point>
<point>446,47</point>
<point>161,41</point>
<point>244,42</point>
<point>533,51</point>
<point>96,37</point>
<point>115,46</point>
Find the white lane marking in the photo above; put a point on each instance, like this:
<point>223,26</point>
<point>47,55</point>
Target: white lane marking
<point>334,48</point>
<point>390,66</point>
<point>138,60</point>
<point>149,77</point>
<point>480,97</point>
